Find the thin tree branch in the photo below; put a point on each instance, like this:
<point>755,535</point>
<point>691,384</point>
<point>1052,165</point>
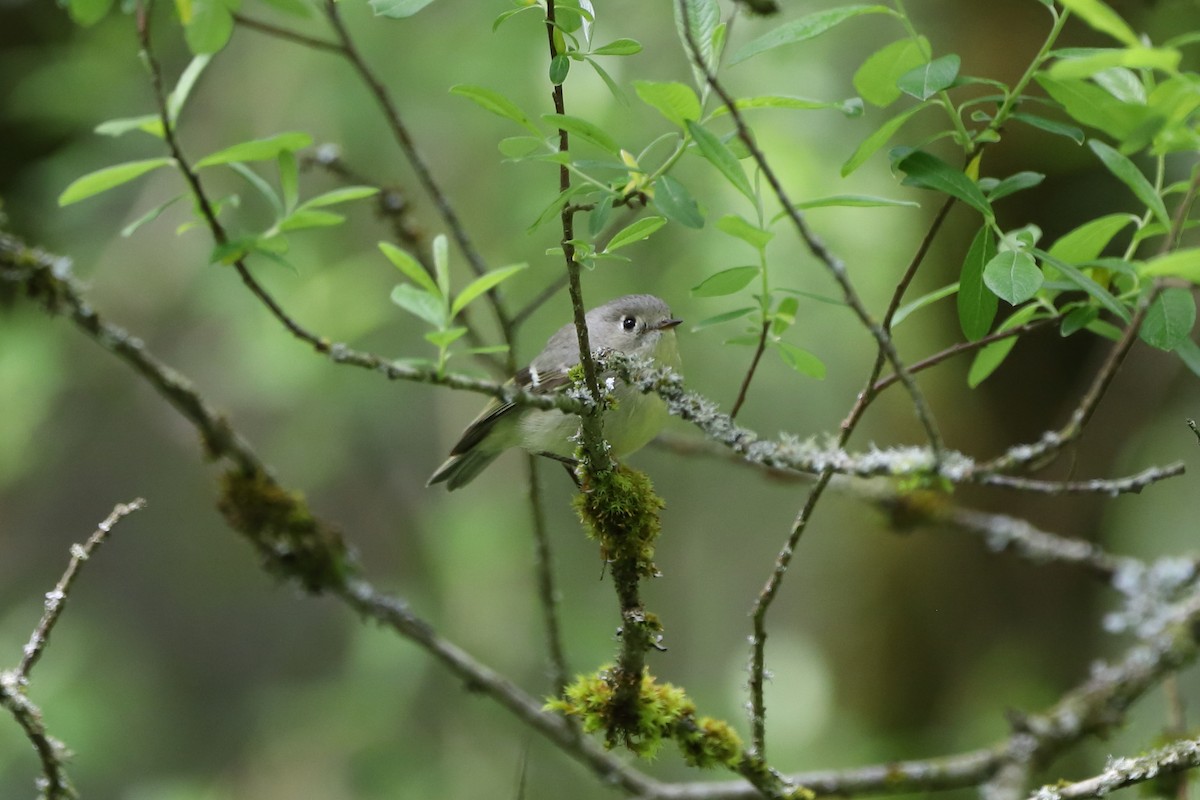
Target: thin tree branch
<point>53,755</point>
<point>869,392</point>
<point>288,35</point>
<point>758,351</point>
<point>547,591</point>
<point>963,347</point>
<point>57,598</point>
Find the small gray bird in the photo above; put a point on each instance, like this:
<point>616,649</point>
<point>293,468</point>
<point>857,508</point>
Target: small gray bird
<point>637,325</point>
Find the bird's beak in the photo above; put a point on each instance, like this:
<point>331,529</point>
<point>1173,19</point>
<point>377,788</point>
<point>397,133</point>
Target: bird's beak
<point>667,323</point>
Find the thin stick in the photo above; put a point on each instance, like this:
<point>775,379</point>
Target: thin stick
<point>762,345</point>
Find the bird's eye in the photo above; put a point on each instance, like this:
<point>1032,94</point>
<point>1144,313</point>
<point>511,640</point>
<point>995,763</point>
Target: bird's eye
<point>629,323</point>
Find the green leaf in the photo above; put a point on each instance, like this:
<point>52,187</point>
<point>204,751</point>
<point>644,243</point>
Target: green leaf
<point>726,282</point>
<point>210,26</point>
<point>266,149</point>
<point>1088,241</point>
<point>702,18</point>
<point>801,360</point>
<point>289,179</point>
<point>585,130</point>
<point>260,185</point>
<point>149,216</point>
<point>483,284</point>
<point>855,201</point>
<point>1089,104</point>
<point>976,305</point>
<point>516,148</point>
<point>1015,183</point>
<point>148,123</point>
<point>907,310</point>
<point>310,219</point>
<point>343,195</point>
<point>613,88</point>
<point>443,339</point>
<point>620,47</point>
<point>108,178</point>
<point>1050,126</point>
<point>1013,276</point>
<point>676,203</point>
<point>495,103</point>
<point>635,232</point>
<point>784,315</point>
<point>727,316</point>
<point>876,79</point>
<point>722,158</point>
<point>1103,19</point>
<point>183,88</point>
<point>927,171</point>
<point>988,359</point>
<point>410,267</point>
<point>848,107</point>
<point>925,81</point>
<point>598,219</point>
<point>420,304</point>
<point>749,233</point>
<point>88,12</point>
<point>1164,59</point>
<point>807,27</point>
<point>1189,354</point>
<point>1169,319</point>
<point>877,140</point>
<point>1179,264</point>
<point>1075,276</point>
<point>441,265</point>
<point>398,9</point>
<point>1128,173</point>
<point>560,65</point>
<point>1077,319</point>
<point>675,101</point>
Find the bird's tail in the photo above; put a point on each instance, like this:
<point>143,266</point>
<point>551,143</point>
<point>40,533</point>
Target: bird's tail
<point>460,469</point>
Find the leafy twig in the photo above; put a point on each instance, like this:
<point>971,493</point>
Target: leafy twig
<point>420,167</point>
<point>1053,441</point>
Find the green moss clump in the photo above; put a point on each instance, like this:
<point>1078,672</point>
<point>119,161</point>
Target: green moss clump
<point>664,712</point>
<point>293,543</point>
<point>619,509</point>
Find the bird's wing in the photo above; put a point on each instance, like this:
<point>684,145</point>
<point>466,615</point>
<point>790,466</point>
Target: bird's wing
<point>532,380</point>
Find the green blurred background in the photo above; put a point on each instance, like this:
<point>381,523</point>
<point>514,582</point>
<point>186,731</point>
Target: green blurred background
<point>181,671</point>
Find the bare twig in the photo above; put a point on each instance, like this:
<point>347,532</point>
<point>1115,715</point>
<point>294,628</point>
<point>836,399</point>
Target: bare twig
<point>867,395</point>
<point>547,592</point>
<point>54,784</point>
<point>963,347</point>
<point>758,351</point>
<point>286,34</point>
<point>53,754</point>
<point>57,598</point>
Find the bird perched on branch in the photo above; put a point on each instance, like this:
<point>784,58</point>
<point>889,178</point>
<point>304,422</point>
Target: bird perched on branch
<point>637,326</point>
